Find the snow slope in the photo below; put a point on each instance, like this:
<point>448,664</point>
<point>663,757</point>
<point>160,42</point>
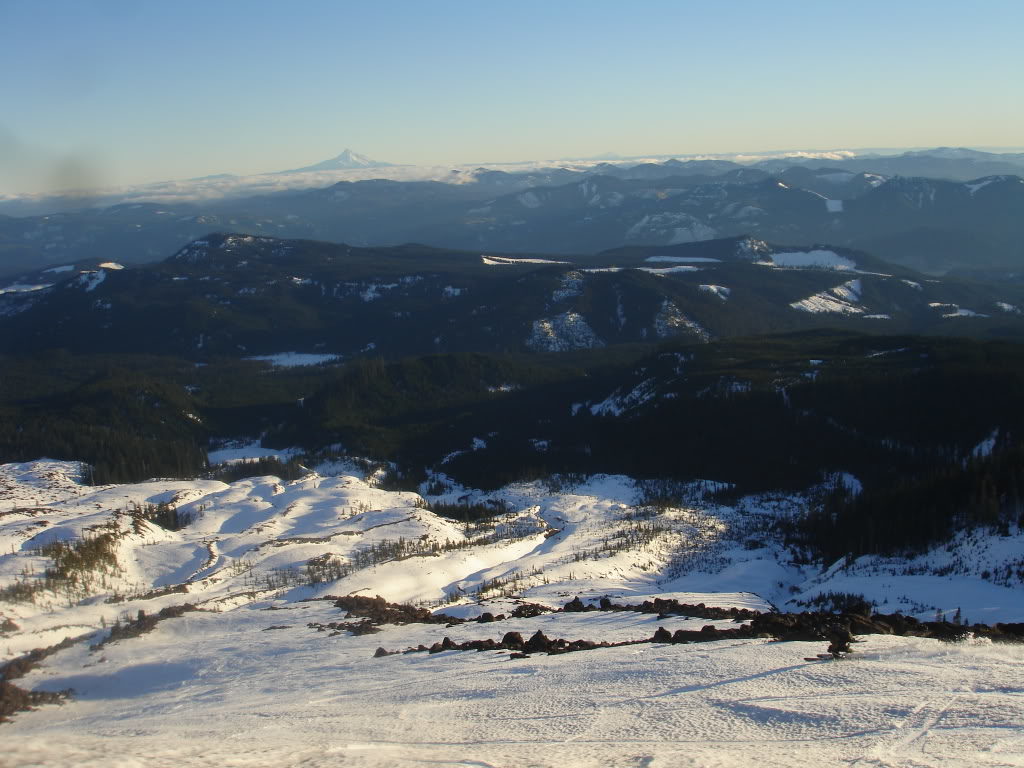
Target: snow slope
<point>221,689</point>
<point>251,679</point>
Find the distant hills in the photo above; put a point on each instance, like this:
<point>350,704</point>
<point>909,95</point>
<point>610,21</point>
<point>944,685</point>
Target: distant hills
<point>239,296</point>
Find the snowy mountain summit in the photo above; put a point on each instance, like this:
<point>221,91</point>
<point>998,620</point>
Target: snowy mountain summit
<point>347,160</point>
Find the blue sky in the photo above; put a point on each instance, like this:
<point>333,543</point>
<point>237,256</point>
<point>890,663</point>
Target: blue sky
<point>111,91</point>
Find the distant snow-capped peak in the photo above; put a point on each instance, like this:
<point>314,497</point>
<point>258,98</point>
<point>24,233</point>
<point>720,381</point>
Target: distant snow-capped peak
<point>347,160</point>
<point>350,159</point>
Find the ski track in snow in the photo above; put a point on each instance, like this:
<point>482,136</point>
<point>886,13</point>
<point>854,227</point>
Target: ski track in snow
<point>216,688</point>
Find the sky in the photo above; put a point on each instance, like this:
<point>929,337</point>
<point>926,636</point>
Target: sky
<point>100,93</point>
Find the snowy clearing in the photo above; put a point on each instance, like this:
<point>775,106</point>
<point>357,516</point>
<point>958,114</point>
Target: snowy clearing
<point>240,451</point>
<point>668,270</point>
<point>499,261</point>
<point>295,359</point>
<point>682,259</point>
<point>817,258</point>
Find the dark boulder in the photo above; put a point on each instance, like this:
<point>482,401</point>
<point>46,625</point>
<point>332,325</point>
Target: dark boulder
<point>512,641</point>
<point>662,635</point>
<point>575,605</point>
<point>529,610</point>
<point>538,643</point>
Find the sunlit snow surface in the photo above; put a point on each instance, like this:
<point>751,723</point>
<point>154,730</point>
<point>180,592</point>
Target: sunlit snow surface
<point>221,688</point>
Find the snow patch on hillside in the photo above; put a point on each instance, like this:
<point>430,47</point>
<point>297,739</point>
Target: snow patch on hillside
<point>295,359</point>
<point>954,310</point>
<point>662,271</point>
<point>720,291</point>
<point>25,287</point>
<point>849,291</point>
<point>818,258</point>
<point>670,321</point>
<point>981,184</point>
<point>571,286</point>
<point>839,300</point>
<point>529,200</point>
<point>752,249</point>
<point>374,291</point>
<point>561,333</point>
<point>985,447</point>
<point>682,260</point>
<point>618,403</point>
<point>498,261</point>
<point>89,280</point>
<point>671,228</point>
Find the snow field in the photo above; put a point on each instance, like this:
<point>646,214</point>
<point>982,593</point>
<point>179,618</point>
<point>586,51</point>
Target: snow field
<point>246,682</point>
<point>223,689</point>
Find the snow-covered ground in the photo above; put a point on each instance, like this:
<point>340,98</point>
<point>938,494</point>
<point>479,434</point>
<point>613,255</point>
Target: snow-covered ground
<point>216,689</point>
<point>251,680</point>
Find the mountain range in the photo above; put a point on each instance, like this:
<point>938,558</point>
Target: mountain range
<point>936,226</point>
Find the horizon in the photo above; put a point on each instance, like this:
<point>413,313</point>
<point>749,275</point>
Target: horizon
<point>298,178</point>
<point>113,94</point>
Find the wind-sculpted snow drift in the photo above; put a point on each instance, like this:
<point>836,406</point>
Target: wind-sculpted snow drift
<point>289,658</point>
